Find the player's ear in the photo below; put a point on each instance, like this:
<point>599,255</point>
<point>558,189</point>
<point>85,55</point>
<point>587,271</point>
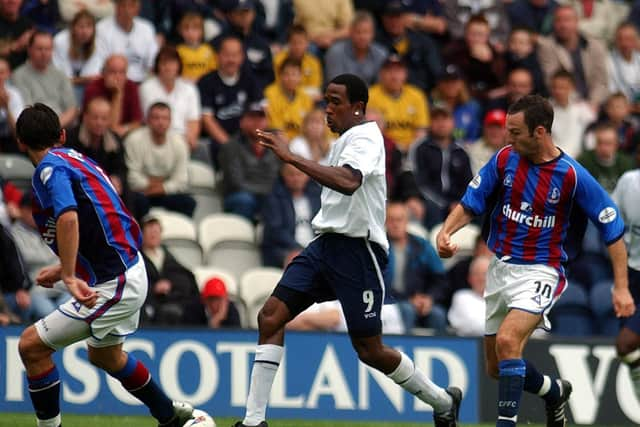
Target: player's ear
<point>63,136</point>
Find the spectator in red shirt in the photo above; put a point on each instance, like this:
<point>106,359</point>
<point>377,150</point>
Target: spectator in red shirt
<point>122,93</point>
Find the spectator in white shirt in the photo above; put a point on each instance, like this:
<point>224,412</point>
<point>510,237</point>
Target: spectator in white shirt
<point>97,8</point>
<point>127,34</point>
<point>74,50</point>
<point>623,64</point>
<point>11,105</point>
<point>315,142</point>
<point>167,86</point>
<point>467,312</point>
<point>571,114</point>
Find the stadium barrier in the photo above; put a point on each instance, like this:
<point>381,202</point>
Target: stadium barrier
<point>320,377</point>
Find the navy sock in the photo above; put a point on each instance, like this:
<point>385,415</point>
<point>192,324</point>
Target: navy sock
<point>542,385</point>
<point>44,390</point>
<point>137,380</point>
<point>511,384</point>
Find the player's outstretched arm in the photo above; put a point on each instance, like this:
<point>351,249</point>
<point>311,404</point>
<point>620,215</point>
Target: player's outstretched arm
<point>342,179</point>
<point>457,218</point>
<point>68,238</point>
<point>623,304</point>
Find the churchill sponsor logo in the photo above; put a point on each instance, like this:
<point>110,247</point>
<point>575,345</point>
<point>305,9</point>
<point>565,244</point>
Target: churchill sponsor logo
<point>535,221</point>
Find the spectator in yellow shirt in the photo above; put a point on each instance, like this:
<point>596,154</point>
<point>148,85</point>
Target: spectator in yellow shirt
<point>287,104</point>
<point>403,106</point>
<point>198,58</point>
<point>298,43</point>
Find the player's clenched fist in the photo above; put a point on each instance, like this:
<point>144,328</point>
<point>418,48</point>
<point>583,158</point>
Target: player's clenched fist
<point>446,249</point>
<point>623,304</point>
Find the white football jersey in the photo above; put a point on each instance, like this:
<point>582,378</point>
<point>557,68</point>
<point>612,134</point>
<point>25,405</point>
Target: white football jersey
<point>363,213</point>
<point>627,197</point>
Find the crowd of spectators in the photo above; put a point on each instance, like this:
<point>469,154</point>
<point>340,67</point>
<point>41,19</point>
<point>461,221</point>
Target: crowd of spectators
<point>143,86</point>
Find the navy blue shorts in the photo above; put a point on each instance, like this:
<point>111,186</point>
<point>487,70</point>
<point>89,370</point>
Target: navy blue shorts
<point>334,266</point>
<point>633,322</point>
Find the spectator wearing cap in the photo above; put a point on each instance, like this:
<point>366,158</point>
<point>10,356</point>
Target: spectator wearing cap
<point>297,46</point>
<point>93,138</point>
<point>493,139</point>
<point>217,310</point>
<point>127,34</point>
<point>325,21</point>
<point>582,56</point>
<point>241,15</point>
<point>440,166</point>
<point>571,115</point>
<point>287,215</point>
<point>522,53</point>
<point>535,15</point>
<point>359,54</point>
<point>287,103</point>
<point>122,94</point>
<point>519,83</point>
<point>403,106</point>
<point>167,86</point>
<point>225,93</point>
<point>452,90</point>
<point>458,14</point>
<point>157,160</point>
<point>419,51</point>
<point>249,170</point>
<point>39,81</point>
<point>173,291</point>
<point>483,65</point>
<point>15,32</point>
<point>36,255</point>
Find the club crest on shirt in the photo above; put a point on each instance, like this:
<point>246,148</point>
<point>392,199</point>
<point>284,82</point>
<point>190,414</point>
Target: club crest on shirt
<point>475,182</point>
<point>607,215</point>
<point>508,180</point>
<point>554,197</point>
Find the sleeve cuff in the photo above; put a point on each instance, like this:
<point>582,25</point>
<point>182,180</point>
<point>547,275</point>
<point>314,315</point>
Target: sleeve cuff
<point>468,209</point>
<point>66,209</point>
<point>612,241</point>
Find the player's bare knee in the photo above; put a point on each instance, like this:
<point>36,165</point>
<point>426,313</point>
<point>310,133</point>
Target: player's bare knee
<point>27,345</point>
<point>368,354</point>
<point>270,318</point>
<point>507,346</point>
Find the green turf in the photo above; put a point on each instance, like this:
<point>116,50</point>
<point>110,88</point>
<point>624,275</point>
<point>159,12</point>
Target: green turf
<point>28,420</point>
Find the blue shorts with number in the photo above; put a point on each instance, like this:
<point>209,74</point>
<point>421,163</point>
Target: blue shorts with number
<point>633,322</point>
<point>335,266</point>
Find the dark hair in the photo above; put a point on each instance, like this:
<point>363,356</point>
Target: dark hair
<point>537,112</point>
<point>563,74</point>
<point>296,29</point>
<point>357,90</point>
<point>158,105</point>
<point>289,62</point>
<point>38,33</point>
<point>168,53</point>
<point>38,127</point>
<point>604,126</point>
<point>477,19</point>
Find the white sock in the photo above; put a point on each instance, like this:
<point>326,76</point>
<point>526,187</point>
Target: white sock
<point>51,422</point>
<point>264,370</point>
<point>416,382</point>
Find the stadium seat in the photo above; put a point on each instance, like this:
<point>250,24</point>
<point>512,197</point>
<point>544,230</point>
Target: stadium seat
<point>465,238</point>
<point>602,308</point>
<point>255,287</point>
<point>204,273</point>
<point>202,186</point>
<point>571,315</point>
<point>17,169</point>
<point>417,229</point>
<point>179,236</point>
<point>228,241</point>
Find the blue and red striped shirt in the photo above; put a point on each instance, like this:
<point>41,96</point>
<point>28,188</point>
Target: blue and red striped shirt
<point>109,236</point>
<point>531,205</point>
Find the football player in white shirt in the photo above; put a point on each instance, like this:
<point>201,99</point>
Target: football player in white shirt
<point>345,262</point>
<point>627,197</point>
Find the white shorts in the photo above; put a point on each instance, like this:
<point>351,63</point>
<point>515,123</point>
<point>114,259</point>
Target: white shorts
<point>533,288</point>
<point>115,315</point>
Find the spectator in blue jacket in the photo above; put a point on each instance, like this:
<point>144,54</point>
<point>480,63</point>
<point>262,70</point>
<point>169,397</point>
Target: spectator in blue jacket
<point>287,215</point>
<point>416,273</point>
